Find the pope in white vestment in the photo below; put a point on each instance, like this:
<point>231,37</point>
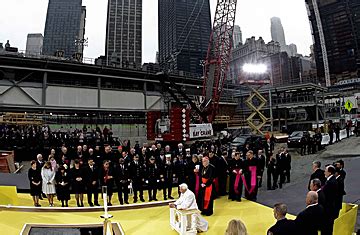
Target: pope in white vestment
<point>187,201</point>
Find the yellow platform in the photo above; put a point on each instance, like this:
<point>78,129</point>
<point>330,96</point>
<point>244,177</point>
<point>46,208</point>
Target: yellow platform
<point>257,218</point>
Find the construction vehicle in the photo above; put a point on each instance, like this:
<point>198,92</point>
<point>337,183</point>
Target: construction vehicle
<point>176,125</point>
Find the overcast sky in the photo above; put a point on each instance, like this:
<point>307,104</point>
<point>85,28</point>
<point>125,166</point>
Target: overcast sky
<point>20,17</point>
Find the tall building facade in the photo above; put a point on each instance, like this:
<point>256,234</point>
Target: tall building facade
<point>65,24</point>
<point>277,32</point>
<point>184,33</point>
<point>237,36</point>
<point>34,44</point>
<point>124,33</point>
<point>341,26</point>
<point>292,49</point>
<point>252,51</point>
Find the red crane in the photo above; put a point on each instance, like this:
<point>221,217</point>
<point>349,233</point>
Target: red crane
<point>215,74</point>
<point>218,56</point>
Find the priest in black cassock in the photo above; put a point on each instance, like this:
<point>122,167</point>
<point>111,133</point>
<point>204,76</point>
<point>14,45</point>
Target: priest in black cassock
<point>236,171</point>
<point>251,173</point>
<point>207,187</point>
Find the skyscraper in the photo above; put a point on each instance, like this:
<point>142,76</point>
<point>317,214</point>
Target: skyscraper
<point>341,27</point>
<point>237,36</point>
<point>292,49</point>
<point>64,26</point>
<point>184,32</point>
<point>34,44</point>
<point>277,32</point>
<point>123,33</point>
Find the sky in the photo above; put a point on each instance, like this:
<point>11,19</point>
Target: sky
<point>20,17</point>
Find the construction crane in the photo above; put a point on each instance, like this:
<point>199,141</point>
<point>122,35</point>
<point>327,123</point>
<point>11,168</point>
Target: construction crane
<point>218,56</point>
<point>322,43</point>
<point>215,73</point>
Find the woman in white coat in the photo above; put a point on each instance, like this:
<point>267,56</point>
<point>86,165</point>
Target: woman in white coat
<point>48,182</point>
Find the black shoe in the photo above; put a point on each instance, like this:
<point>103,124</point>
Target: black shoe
<point>135,200</point>
<point>165,198</point>
<point>171,197</point>
<point>91,204</point>
<point>121,203</point>
<point>96,204</point>
<point>109,204</point>
<point>142,199</point>
<point>238,200</point>
<point>78,205</point>
<point>150,199</point>
<point>155,199</point>
<point>126,202</point>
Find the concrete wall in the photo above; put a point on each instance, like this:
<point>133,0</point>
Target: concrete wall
<point>70,96</point>
<point>64,96</point>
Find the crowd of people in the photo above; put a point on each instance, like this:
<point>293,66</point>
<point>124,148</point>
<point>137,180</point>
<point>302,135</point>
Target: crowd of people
<point>204,166</point>
<point>41,139</point>
<point>323,203</point>
<point>209,169</point>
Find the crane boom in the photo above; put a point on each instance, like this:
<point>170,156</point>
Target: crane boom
<point>218,55</point>
<point>322,43</point>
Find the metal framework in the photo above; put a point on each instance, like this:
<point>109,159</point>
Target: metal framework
<point>256,110</point>
<point>218,55</point>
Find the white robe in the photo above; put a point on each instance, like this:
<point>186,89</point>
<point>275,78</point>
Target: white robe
<point>187,201</point>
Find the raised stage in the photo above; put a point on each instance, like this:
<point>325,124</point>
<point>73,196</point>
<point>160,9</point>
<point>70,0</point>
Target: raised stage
<point>154,220</point>
<point>144,218</point>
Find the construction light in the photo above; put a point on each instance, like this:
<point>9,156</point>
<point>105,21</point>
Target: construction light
<point>255,68</point>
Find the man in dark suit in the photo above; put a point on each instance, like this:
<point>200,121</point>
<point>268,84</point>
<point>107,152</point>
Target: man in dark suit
<point>223,172</point>
<point>283,226</point>
<point>281,163</point>
<point>92,182</point>
<point>122,180</point>
<point>167,177</point>
<point>39,162</point>
<point>340,164</point>
<point>315,185</point>
<point>287,165</point>
<point>331,191</point>
<point>341,190</point>
<point>262,162</point>
<point>137,175</point>
<point>318,173</point>
<point>311,220</point>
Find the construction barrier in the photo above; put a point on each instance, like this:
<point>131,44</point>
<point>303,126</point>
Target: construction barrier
<point>8,195</point>
<point>345,223</point>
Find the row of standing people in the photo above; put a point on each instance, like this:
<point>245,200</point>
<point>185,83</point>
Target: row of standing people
<point>159,172</point>
<point>323,203</point>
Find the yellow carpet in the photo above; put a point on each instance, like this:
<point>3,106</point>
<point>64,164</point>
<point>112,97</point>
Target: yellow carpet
<point>256,217</point>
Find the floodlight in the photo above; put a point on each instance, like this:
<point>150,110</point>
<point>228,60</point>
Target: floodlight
<point>255,68</point>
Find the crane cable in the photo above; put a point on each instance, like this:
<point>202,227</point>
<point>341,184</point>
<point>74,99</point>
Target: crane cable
<point>187,36</point>
<point>187,22</point>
